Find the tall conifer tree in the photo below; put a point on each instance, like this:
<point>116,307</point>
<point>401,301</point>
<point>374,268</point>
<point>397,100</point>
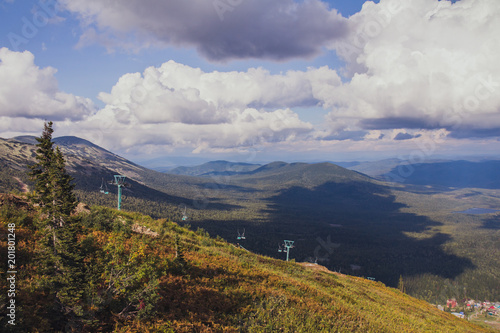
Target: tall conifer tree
<point>59,256</point>
<point>53,187</point>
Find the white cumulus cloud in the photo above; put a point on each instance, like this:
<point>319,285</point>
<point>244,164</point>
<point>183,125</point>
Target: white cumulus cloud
<point>175,104</point>
<point>421,64</point>
<point>27,91</point>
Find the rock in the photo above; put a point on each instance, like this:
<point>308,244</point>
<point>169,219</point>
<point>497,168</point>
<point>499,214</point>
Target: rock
<point>81,208</point>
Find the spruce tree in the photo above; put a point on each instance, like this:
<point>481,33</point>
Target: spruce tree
<point>53,188</point>
<point>59,253</point>
<point>64,197</point>
<point>40,172</point>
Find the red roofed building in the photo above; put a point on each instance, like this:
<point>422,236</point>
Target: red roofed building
<point>451,303</point>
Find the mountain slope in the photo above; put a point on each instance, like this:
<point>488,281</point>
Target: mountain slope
<point>94,167</point>
<point>138,283</point>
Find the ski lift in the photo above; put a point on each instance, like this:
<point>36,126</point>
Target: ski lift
<point>286,248</point>
<point>184,216</point>
<point>104,187</point>
<point>241,236</point>
<point>120,182</point>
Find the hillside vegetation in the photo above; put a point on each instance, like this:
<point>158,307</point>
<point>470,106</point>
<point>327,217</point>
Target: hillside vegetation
<point>167,278</point>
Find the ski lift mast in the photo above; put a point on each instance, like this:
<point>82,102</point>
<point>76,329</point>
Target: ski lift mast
<point>120,182</point>
<point>287,246</point>
<point>184,216</point>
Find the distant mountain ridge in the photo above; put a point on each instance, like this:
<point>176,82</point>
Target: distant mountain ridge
<point>74,141</point>
<point>373,168</point>
<point>214,168</point>
<point>30,139</point>
<point>459,174</point>
<point>284,175</point>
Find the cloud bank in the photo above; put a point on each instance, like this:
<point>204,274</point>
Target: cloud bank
<point>175,104</point>
<point>220,30</point>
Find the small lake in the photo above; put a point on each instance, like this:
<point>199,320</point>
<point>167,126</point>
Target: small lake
<point>478,211</point>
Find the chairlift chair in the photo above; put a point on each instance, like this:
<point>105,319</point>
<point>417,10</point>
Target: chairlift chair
<point>104,187</point>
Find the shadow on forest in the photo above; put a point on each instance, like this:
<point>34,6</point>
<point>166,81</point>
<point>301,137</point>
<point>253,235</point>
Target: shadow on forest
<point>492,223</point>
<point>223,185</point>
<point>359,229</point>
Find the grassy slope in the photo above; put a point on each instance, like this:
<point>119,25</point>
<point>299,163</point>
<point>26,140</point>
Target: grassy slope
<point>222,288</point>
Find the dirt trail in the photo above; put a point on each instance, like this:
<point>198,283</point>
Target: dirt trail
<point>24,187</point>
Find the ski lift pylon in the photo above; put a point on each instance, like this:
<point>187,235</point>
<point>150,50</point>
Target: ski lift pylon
<point>184,215</point>
<point>120,182</point>
<point>287,246</point>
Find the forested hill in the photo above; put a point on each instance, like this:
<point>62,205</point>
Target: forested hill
<point>283,175</point>
<point>126,272</point>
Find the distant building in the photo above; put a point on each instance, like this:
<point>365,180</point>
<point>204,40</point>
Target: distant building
<point>451,303</point>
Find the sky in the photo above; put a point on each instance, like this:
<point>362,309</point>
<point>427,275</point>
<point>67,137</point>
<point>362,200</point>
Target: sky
<point>173,82</point>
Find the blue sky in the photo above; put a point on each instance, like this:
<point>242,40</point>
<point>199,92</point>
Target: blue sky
<point>261,80</point>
